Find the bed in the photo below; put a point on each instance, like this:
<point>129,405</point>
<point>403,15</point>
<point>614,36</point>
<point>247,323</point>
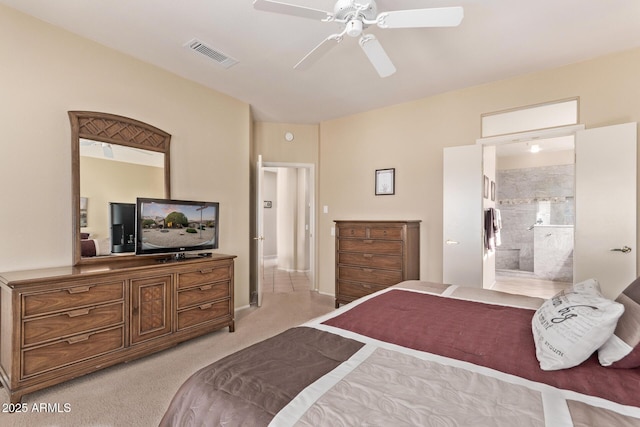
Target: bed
<point>421,353</point>
<point>94,247</point>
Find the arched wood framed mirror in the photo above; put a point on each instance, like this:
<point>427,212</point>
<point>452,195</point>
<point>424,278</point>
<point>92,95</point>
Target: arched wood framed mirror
<point>114,159</point>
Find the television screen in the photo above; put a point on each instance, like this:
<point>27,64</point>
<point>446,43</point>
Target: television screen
<point>170,226</point>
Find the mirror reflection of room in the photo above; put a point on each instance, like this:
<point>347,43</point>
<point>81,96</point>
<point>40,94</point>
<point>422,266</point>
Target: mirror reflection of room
<point>111,177</point>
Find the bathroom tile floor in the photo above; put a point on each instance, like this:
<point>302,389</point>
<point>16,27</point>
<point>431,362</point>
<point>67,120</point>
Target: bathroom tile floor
<point>280,281</point>
<point>529,286</point>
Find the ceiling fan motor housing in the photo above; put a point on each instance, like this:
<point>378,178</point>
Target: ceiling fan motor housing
<point>352,9</point>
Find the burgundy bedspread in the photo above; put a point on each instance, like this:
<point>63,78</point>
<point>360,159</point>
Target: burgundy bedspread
<point>249,387</point>
<point>492,336</point>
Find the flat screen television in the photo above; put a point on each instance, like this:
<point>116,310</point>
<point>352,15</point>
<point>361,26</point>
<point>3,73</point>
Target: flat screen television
<point>175,226</point>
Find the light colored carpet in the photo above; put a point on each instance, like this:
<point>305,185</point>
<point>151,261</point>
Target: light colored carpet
<point>137,393</point>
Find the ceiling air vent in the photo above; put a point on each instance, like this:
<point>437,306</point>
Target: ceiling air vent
<point>219,57</point>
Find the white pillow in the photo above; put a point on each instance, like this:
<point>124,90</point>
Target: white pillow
<point>569,327</point>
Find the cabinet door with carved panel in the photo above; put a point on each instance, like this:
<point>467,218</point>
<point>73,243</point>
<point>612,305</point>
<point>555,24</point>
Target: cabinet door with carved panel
<point>150,307</point>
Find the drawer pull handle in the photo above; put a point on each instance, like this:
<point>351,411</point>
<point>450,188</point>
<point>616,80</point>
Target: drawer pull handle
<point>76,313</point>
<point>79,289</point>
<point>368,255</point>
<point>366,286</point>
<point>205,287</point>
<point>206,306</point>
<point>207,271</point>
<point>368,270</point>
<point>80,338</point>
<point>367,241</point>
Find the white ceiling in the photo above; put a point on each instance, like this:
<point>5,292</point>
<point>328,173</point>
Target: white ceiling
<point>497,39</point>
<point>514,149</point>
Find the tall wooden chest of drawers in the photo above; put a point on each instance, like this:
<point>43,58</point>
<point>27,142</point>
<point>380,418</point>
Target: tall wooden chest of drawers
<point>373,255</point>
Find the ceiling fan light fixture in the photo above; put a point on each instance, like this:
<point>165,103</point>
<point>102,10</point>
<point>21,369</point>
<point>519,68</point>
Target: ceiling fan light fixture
<point>354,28</point>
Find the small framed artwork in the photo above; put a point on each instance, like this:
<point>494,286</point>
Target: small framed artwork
<point>486,187</point>
<point>385,181</point>
<point>83,211</point>
<point>493,191</point>
<point>268,204</point>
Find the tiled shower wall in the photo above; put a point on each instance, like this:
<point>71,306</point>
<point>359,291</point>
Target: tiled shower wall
<point>525,196</point>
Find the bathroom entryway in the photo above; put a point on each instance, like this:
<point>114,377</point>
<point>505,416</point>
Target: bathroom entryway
<point>535,183</point>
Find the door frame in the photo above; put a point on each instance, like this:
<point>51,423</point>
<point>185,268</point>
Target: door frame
<point>533,135</point>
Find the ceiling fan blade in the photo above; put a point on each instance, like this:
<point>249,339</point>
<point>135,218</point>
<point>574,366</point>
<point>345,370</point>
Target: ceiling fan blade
<point>421,18</point>
<point>290,9</point>
<point>318,52</point>
<point>376,54</point>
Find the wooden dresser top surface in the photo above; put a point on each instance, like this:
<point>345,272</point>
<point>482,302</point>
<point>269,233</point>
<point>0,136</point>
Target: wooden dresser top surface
<point>22,277</point>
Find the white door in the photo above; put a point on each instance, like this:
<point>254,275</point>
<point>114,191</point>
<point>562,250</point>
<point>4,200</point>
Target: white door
<point>259,238</point>
<point>463,216</point>
<point>605,230</point>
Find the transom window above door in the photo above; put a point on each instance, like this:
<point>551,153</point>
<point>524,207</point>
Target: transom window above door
<point>534,117</point>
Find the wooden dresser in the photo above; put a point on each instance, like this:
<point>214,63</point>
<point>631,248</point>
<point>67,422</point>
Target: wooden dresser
<point>373,255</point>
<point>60,323</point>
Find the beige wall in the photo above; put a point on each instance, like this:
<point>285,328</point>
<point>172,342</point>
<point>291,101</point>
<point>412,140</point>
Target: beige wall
<point>46,72</point>
<point>270,143</point>
<point>126,182</point>
<point>410,137</point>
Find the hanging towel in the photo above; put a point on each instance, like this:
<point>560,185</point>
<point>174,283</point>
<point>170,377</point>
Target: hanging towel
<point>489,230</point>
<point>497,226</point>
<point>492,226</point>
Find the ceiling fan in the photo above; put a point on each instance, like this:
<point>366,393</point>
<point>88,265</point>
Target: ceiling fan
<point>355,16</point>
<point>107,150</point>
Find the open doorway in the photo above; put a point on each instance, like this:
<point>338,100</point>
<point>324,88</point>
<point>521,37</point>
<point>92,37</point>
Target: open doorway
<point>535,195</point>
<point>287,229</point>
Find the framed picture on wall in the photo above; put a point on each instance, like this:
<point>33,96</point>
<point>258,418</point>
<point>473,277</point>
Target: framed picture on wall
<point>84,202</point>
<point>385,181</point>
<point>486,187</point>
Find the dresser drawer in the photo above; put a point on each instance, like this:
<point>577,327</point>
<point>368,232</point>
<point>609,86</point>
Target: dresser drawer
<point>71,322</point>
<point>370,246</point>
<point>204,276</point>
<point>391,233</point>
<point>202,294</point>
<point>72,297</point>
<point>389,262</point>
<point>351,291</point>
<point>204,313</point>
<point>71,350</point>
<point>370,275</point>
<point>352,231</point>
